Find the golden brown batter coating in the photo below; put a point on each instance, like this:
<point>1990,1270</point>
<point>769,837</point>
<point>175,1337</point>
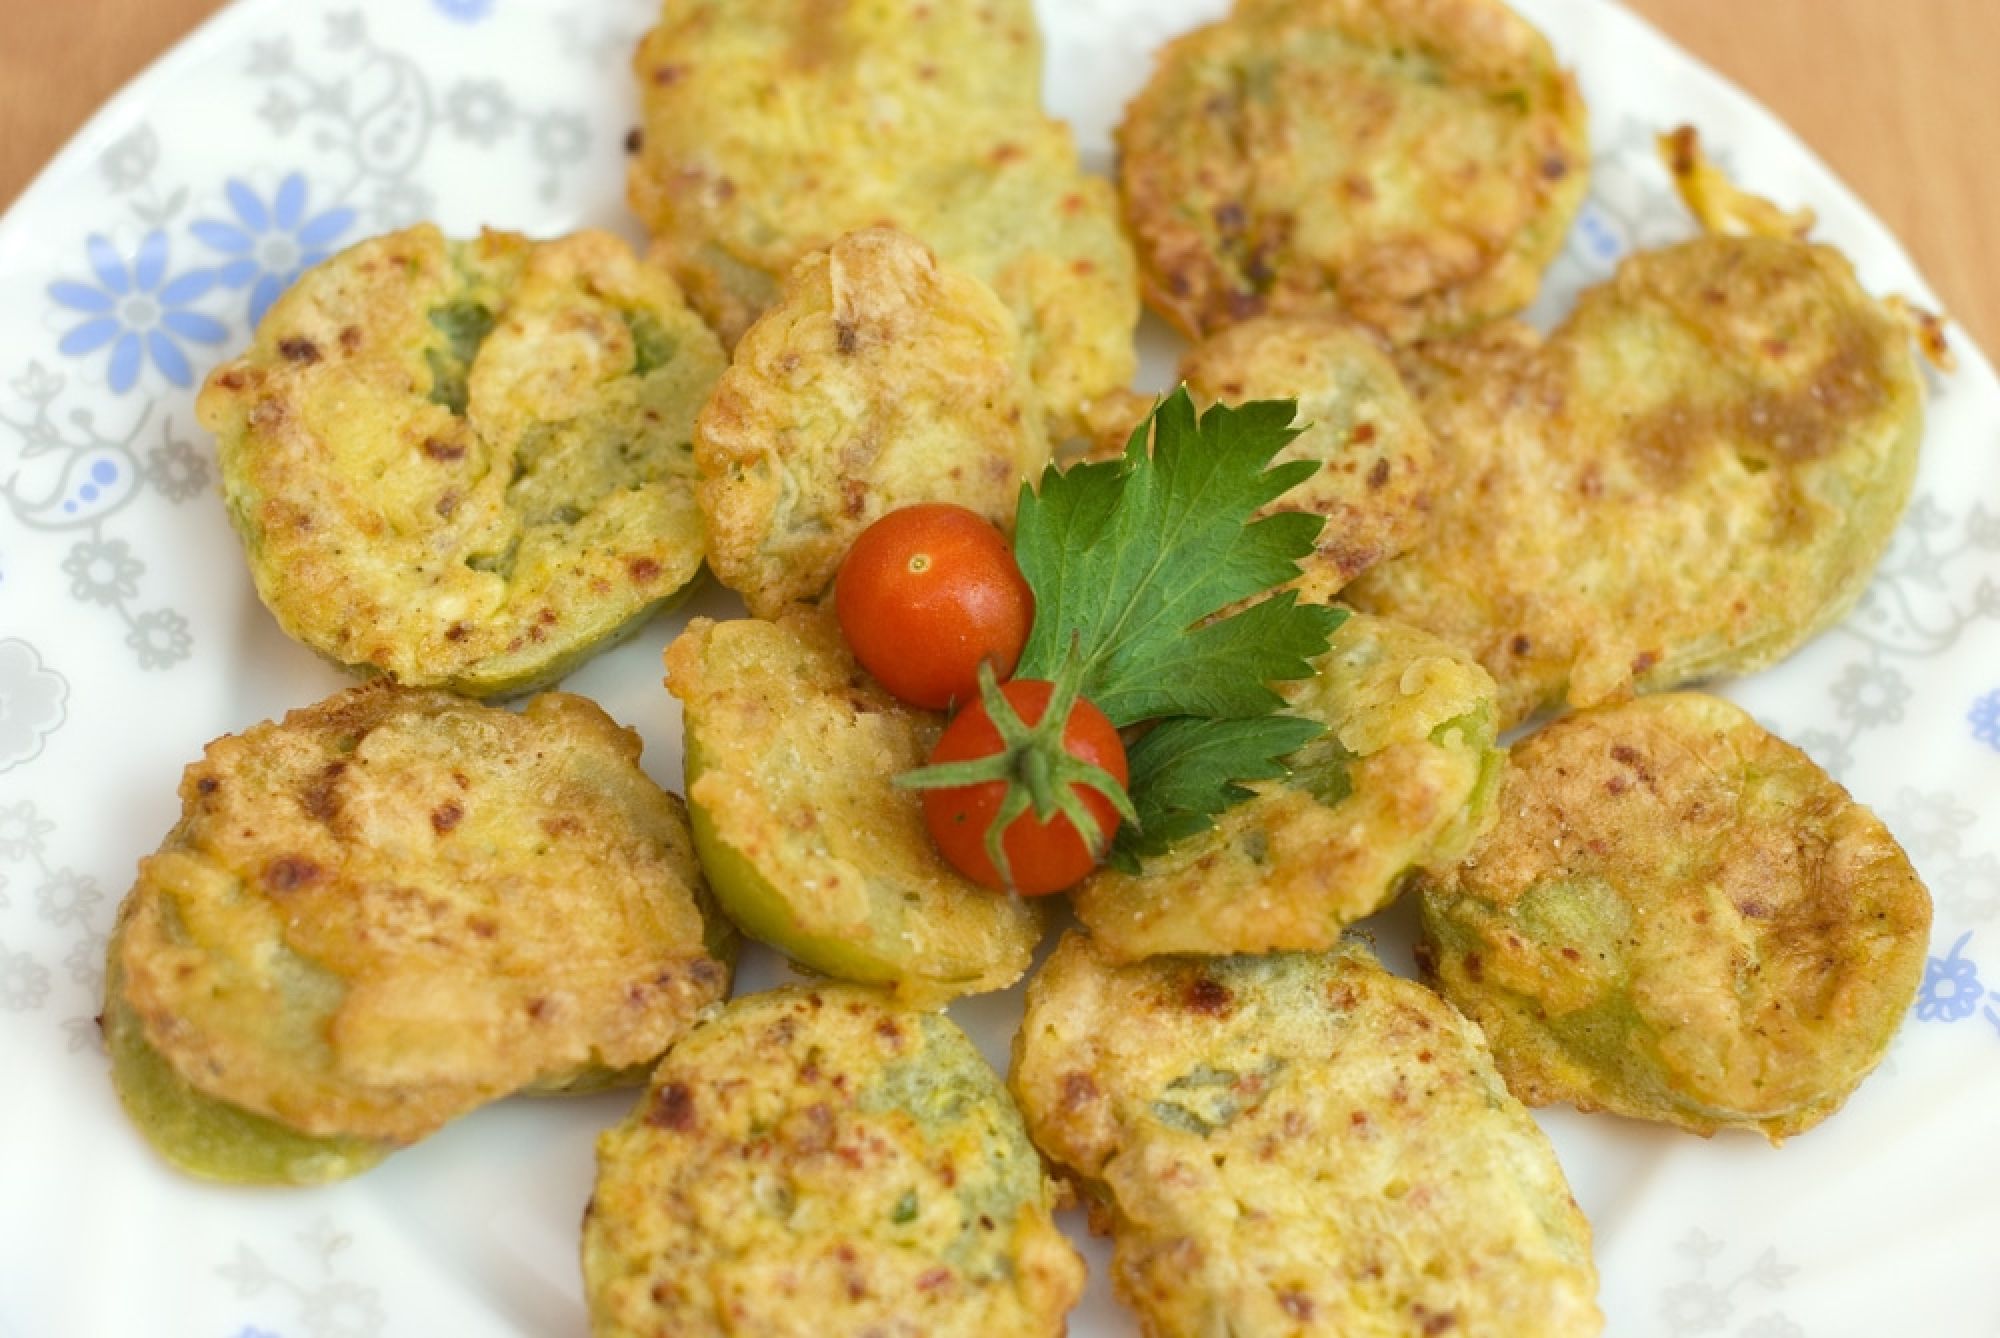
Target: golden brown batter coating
<point>814,1162</point>
<point>1298,1144</point>
<point>773,127</point>
<point>1378,463</point>
<point>1404,778</point>
<point>1413,162</point>
<point>881,379</point>
<point>791,754</point>
<point>201,1135</point>
<point>398,905</point>
<point>467,464</point>
<point>1682,919</point>
<point>1693,476</point>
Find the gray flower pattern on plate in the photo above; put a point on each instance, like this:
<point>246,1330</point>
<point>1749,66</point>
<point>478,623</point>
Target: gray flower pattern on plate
<point>479,110</point>
<point>1942,835</point>
<point>127,168</point>
<point>367,105</point>
<point>24,982</point>
<point>85,964</point>
<point>160,639</point>
<point>33,702</point>
<point>75,476</point>
<point>1710,1297</point>
<point>103,571</point>
<point>176,469</point>
<point>23,831</point>
<point>65,897</point>
<point>484,113</point>
<point>130,160</point>
<point>67,900</point>
<point>329,1306</point>
<point>1872,694</point>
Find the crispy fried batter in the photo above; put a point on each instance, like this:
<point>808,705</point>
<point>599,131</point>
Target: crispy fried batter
<point>813,1162</point>
<point>1299,1144</point>
<point>1726,209</point>
<point>791,754</point>
<point>1722,207</point>
<point>1378,462</point>
<point>397,905</point>
<point>1681,919</point>
<point>1415,162</point>
<point>1403,778</point>
<point>201,1135</point>
<point>772,127</point>
<point>1694,475</point>
<point>883,378</point>
<point>467,464</point>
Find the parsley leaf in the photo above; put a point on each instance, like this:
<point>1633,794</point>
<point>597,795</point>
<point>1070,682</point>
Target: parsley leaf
<point>1186,770</point>
<point>1129,559</point>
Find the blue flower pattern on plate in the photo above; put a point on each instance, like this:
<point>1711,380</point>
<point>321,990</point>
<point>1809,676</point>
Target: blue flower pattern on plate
<point>138,312</point>
<point>465,11</point>
<point>270,245</point>
<point>1951,990</point>
<point>1985,719</point>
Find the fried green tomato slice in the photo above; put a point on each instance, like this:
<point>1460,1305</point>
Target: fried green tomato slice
<point>1298,1143</point>
<point>1377,460</point>
<point>791,756</point>
<point>1693,476</point>
<point>393,907</point>
<point>1403,778</point>
<point>817,1161</point>
<point>1682,919</point>
<point>773,127</point>
<point>882,379</point>
<point>467,464</point>
<point>204,1136</point>
<point>1415,163</point>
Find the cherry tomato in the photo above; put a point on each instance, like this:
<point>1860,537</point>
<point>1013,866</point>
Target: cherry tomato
<point>925,594</point>
<point>1044,857</point>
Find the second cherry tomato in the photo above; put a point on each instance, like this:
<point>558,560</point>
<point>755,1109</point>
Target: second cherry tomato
<point>925,594</point>
<point>1043,857</point>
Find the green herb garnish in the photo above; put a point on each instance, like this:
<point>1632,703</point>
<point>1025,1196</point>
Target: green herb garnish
<point>1132,561</point>
<point>1189,768</point>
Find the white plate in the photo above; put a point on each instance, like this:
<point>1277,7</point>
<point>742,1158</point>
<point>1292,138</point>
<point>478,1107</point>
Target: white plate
<point>129,636</point>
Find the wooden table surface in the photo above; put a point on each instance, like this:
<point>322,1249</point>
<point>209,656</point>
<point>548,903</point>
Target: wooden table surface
<point>1898,95</point>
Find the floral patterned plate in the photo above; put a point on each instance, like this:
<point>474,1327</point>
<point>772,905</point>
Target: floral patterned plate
<point>129,636</point>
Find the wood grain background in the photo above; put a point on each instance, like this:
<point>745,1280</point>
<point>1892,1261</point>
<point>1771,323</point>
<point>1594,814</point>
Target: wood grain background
<point>1901,97</point>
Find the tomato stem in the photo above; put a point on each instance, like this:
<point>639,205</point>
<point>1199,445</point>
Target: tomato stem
<point>1041,783</point>
<point>1039,772</point>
